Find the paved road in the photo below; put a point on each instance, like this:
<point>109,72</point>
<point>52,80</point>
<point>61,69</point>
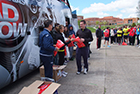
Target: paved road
<point>114,70</point>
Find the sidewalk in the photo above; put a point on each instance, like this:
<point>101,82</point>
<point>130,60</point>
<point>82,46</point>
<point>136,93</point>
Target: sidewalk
<point>114,70</point>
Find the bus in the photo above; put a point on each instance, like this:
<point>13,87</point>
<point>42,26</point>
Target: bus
<point>19,22</point>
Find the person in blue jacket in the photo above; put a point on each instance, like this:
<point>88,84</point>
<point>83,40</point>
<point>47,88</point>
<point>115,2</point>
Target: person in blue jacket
<point>71,32</point>
<point>47,48</point>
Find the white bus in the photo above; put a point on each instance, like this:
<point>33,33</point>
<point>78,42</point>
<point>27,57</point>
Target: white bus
<point>19,21</point>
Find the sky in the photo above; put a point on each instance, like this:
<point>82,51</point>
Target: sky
<point>102,8</point>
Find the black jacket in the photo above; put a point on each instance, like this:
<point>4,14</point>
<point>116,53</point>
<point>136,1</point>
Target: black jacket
<point>59,36</point>
<point>86,34</point>
<point>98,33</point>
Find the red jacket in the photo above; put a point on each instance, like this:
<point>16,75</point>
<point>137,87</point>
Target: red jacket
<point>106,33</point>
<point>132,32</point>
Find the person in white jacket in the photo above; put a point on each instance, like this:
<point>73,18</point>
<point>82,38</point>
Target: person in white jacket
<point>112,35</point>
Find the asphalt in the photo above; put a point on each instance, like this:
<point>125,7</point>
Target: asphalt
<point>114,70</point>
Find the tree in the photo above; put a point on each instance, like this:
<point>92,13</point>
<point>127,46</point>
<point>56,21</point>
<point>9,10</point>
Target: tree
<point>97,22</point>
<point>133,24</point>
<point>79,23</point>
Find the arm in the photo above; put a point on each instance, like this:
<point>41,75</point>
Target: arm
<point>90,37</point>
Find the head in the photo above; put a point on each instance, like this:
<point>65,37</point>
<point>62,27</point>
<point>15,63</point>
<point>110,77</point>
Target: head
<point>125,26</point>
<point>83,24</point>
<point>48,24</point>
<point>56,24</point>
<point>99,26</point>
<point>60,28</point>
<point>66,28</point>
<point>66,23</point>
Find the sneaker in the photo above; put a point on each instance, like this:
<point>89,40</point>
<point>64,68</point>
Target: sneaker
<point>64,75</point>
<point>78,73</point>
<point>98,49</point>
<point>103,45</point>
<point>64,72</point>
<point>108,46</point>
<point>85,71</point>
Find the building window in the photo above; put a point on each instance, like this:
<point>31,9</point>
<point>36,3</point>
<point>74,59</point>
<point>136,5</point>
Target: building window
<point>130,21</point>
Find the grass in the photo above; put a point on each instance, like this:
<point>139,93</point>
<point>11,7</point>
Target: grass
<point>92,29</point>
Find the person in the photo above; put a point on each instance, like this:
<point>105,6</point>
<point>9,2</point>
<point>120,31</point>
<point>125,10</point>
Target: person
<point>132,32</point>
<point>115,35</point>
<point>99,37</point>
<point>71,32</point>
<point>53,33</point>
<point>138,33</point>
<point>66,32</point>
<point>66,37</point>
<point>85,36</point>
<point>59,36</point>
<point>47,48</point>
<point>112,35</point>
<point>119,35</point>
<point>125,34</point>
<point>106,34</point>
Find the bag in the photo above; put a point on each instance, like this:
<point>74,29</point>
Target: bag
<point>59,44</point>
<point>79,43</point>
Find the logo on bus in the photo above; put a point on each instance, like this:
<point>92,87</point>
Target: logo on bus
<point>11,21</point>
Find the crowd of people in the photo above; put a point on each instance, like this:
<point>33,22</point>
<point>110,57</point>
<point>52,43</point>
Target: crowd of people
<point>122,35</point>
<point>48,39</point>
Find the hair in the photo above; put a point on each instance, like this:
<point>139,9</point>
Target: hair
<point>56,24</point>
<point>58,27</point>
<point>47,23</point>
<point>107,28</point>
<point>83,21</point>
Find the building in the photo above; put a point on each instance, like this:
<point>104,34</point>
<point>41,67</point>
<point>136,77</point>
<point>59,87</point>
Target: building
<point>130,20</point>
<point>80,17</point>
<point>109,20</point>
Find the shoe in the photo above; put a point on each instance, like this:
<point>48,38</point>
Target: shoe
<point>103,45</point>
<point>64,75</point>
<point>78,73</point>
<point>71,59</point>
<point>85,71</point>
<point>98,49</point>
<point>139,47</point>
<point>64,72</point>
<point>108,46</point>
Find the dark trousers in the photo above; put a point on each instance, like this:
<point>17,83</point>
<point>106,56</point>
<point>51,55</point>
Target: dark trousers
<point>119,39</point>
<point>98,43</point>
<point>61,58</point>
<point>48,65</point>
<point>131,40</point>
<point>115,38</point>
<point>82,52</point>
<point>137,39</point>
<point>112,39</point>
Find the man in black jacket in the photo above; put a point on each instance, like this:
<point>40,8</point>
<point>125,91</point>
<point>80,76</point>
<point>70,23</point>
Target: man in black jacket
<point>85,36</point>
<point>99,37</point>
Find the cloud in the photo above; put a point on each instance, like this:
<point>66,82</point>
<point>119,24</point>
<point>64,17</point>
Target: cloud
<point>102,14</point>
<point>120,16</point>
<point>124,5</point>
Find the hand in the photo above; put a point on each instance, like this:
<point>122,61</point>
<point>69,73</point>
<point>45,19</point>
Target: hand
<point>82,39</point>
<point>57,49</point>
<point>72,39</point>
<point>54,45</point>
